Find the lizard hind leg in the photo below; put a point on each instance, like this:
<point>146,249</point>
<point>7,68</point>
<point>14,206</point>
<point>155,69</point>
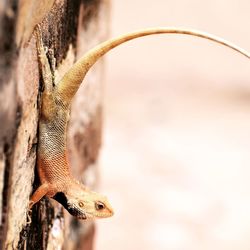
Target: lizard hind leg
<point>47,70</point>
<point>44,64</point>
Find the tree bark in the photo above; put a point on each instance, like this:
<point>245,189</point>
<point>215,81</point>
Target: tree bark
<point>69,28</point>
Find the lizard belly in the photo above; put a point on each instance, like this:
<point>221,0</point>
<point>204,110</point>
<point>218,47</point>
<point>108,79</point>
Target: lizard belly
<point>52,160</point>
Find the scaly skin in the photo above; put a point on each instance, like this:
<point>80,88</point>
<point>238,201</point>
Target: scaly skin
<point>54,171</point>
<point>53,168</point>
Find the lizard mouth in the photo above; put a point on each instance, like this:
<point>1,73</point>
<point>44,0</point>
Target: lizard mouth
<point>71,208</point>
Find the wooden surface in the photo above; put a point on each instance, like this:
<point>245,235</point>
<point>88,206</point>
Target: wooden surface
<point>69,28</point>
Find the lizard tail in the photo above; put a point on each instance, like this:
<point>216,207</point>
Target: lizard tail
<point>71,81</point>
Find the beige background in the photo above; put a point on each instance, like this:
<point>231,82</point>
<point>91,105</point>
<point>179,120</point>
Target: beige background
<point>175,157</point>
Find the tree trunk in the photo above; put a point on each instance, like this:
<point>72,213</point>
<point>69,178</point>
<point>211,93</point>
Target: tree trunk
<point>69,29</point>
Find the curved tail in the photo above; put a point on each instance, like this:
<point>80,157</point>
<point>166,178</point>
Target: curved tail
<point>71,81</point>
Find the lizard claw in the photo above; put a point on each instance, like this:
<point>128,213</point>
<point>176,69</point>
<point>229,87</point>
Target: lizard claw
<point>29,220</point>
<point>31,203</point>
<point>46,49</point>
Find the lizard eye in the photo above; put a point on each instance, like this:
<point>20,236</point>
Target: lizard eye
<point>80,204</point>
<point>99,205</point>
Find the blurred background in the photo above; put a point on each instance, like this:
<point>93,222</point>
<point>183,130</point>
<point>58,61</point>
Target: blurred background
<point>175,159</point>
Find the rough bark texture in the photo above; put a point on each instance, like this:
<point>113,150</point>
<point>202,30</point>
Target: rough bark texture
<point>69,29</point>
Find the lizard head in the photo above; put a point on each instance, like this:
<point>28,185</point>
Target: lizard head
<point>83,203</point>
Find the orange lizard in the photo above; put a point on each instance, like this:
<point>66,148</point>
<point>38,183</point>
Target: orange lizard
<point>56,180</point>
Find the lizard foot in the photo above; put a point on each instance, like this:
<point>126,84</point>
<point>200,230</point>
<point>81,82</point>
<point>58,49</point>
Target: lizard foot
<point>29,220</point>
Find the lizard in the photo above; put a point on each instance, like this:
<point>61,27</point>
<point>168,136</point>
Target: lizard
<point>53,167</point>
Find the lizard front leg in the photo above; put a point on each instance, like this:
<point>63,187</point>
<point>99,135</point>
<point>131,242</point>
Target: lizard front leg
<point>39,193</point>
